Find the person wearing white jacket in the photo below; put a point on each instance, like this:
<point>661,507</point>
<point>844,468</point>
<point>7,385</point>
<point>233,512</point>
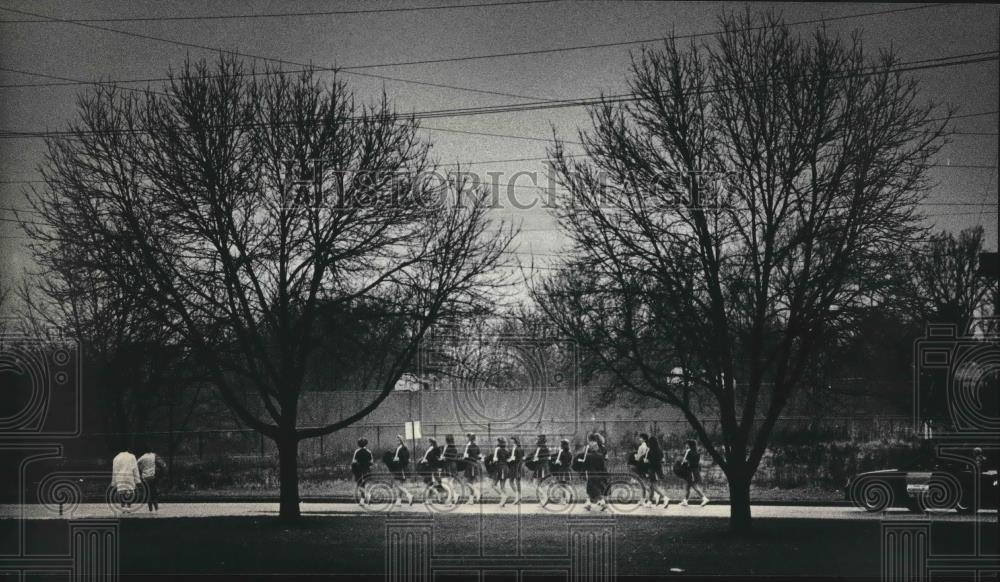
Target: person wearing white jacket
<point>125,476</point>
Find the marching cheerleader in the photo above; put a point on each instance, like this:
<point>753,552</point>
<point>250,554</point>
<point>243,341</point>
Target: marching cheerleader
<point>594,465</point>
<point>500,469</point>
<point>361,466</point>
<point>563,462</point>
<point>561,465</point>
<point>540,460</point>
<point>398,463</point>
<point>450,458</point>
<point>650,460</point>
<point>516,465</point>
<point>429,465</point>
<point>471,458</point>
<point>692,473</point>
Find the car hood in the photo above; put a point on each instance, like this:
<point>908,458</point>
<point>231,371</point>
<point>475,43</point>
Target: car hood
<point>880,472</point>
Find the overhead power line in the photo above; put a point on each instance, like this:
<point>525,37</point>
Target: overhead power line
<point>302,14</point>
<point>469,57</point>
<point>265,59</point>
<point>589,46</point>
<point>955,60</point>
<point>622,43</point>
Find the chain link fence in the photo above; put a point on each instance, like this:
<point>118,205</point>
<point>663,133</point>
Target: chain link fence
<point>802,450</point>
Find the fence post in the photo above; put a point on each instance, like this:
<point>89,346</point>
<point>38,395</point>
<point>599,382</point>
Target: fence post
<point>201,444</point>
<point>378,436</point>
<point>321,444</point>
<point>260,439</point>
<point>489,433</point>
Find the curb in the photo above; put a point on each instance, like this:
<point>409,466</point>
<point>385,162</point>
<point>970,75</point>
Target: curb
<point>351,500</point>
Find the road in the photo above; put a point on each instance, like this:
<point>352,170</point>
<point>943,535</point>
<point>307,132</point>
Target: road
<point>242,509</point>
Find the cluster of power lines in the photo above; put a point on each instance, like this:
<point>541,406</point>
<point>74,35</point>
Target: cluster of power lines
<point>529,103</point>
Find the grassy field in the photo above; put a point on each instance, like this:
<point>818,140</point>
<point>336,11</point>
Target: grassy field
<point>353,546</point>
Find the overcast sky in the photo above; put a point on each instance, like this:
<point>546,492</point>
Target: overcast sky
<point>78,52</point>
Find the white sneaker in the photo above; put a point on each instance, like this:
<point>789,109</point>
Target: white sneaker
<point>684,503</point>
<point>587,506</point>
<point>647,503</point>
<point>704,501</point>
<point>666,502</point>
<point>399,502</point>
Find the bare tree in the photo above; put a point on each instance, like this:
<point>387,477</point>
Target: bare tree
<point>240,207</point>
<point>755,190</point>
<point>945,286</point>
<point>133,366</point>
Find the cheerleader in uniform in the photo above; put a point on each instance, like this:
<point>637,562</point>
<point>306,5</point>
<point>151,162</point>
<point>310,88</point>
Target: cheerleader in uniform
<point>516,466</point>
<point>539,462</point>
<point>429,465</point>
<point>450,458</point>
<point>691,464</point>
<point>595,466</point>
<point>473,469</point>
<point>361,466</point>
<point>563,462</point>
<point>398,462</point>
<point>500,469</point>
<point>560,464</point>
<point>650,462</point>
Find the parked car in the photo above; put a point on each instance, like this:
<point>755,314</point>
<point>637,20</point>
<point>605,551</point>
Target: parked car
<point>945,486</point>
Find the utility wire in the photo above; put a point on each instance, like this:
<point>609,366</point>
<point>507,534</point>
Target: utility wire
<point>289,14</point>
<point>590,46</point>
<point>496,55</point>
<point>609,99</point>
<point>266,59</point>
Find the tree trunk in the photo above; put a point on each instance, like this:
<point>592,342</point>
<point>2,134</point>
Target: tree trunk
<point>739,502</point>
<point>288,476</point>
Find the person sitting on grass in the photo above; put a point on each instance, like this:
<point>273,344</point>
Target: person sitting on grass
<point>692,466</point>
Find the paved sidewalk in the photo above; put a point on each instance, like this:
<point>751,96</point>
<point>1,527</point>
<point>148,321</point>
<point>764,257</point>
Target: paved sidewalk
<point>244,509</point>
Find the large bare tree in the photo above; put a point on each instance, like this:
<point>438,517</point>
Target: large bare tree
<point>244,208</point>
<point>945,286</point>
<point>755,189</point>
<point>133,367</point>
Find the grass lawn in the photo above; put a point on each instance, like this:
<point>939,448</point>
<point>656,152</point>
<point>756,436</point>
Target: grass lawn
<point>353,545</point>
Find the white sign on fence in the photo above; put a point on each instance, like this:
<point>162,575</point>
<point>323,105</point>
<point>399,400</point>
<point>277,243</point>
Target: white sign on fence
<point>413,430</point>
